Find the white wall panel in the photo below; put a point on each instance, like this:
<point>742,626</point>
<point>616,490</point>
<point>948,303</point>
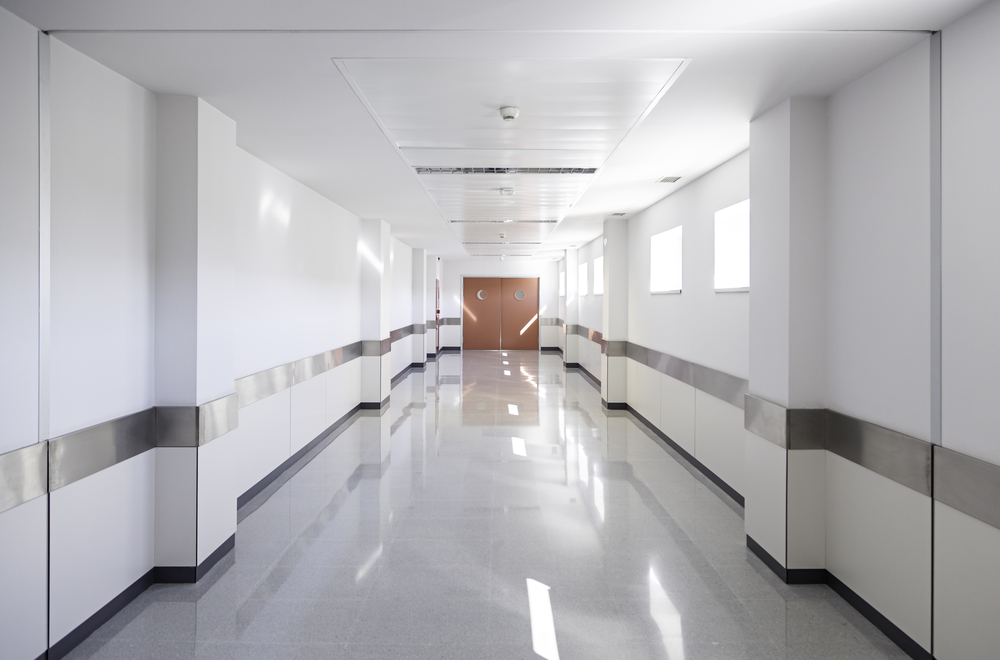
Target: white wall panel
<point>216,274</point>
<point>24,579</point>
<point>296,270</point>
<point>103,210</point>
<point>400,284</point>
<point>878,246</point>
<point>764,491</point>
<point>402,354</point>
<point>966,586</point>
<point>807,508</point>
<point>451,335</point>
<point>591,310</point>
<point>343,390</point>
<point>647,395</point>
<point>698,325</point>
<point>677,414</point>
<point>615,382</point>
<point>769,326</point>
<point>719,438</point>
<point>308,413</point>
<point>176,506</point>
<point>217,493</point>
<point>102,533</point>
<point>371,377</point>
<point>263,438</point>
<point>18,232</point>
<point>878,543</point>
<point>970,238</point>
<point>549,335</point>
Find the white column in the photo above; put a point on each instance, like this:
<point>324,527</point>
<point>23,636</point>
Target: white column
<point>419,284</point>
<point>430,309</point>
<point>373,262</point>
<point>194,359</point>
<point>572,307</point>
<point>614,327</point>
<point>784,489</point>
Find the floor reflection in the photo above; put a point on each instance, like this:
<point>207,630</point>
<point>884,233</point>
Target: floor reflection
<point>448,526</point>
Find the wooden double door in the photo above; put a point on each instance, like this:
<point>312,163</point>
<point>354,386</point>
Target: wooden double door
<point>500,313</point>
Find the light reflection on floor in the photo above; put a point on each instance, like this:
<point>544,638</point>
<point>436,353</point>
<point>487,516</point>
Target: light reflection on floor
<point>417,534</point>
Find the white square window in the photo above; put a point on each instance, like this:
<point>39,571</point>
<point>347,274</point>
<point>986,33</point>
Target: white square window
<point>665,266</point>
<point>583,278</point>
<point>599,276</point>
<point>562,284</point>
<point>732,248</point>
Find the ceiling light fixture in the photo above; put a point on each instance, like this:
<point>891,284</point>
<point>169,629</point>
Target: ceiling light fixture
<point>509,112</point>
<point>669,179</point>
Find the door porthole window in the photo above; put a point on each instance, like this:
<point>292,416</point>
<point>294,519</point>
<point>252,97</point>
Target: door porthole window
<point>519,294</point>
<point>482,294</point>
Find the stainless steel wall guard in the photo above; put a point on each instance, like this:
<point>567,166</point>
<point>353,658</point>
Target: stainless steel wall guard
<point>897,456</point>
<point>719,384</point>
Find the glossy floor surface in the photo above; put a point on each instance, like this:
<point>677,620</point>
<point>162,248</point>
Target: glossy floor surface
<point>493,511</point>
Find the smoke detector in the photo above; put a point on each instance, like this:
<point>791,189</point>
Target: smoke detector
<point>506,192</point>
<point>503,235</point>
<point>509,112</point>
<point>501,257</point>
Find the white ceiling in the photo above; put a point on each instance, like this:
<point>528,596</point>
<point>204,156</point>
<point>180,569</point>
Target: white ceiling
<point>444,113</point>
<point>270,67</point>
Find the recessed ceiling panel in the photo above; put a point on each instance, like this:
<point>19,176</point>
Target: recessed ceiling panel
<point>445,113</point>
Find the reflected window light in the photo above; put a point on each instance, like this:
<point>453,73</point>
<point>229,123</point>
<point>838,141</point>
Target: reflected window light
<point>599,497</point>
<point>367,566</point>
<point>512,409</point>
<point>466,309</point>
<point>506,362</point>
<point>584,468</point>
<point>543,628</point>
<point>525,328</point>
<point>376,262</point>
<point>505,355</point>
<point>506,372</point>
<point>666,617</point>
<point>517,446</point>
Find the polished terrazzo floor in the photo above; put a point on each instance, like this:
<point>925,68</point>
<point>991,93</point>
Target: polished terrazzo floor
<point>492,511</point>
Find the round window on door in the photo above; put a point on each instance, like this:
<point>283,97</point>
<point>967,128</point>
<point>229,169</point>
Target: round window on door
<point>519,294</point>
<point>482,294</point>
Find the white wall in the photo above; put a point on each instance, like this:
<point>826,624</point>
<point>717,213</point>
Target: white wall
<point>452,272</point>
<point>878,246</point>
<point>18,232</point>
<point>216,276</point>
<point>103,210</point>
<point>401,302</point>
<point>296,270</point>
<point>591,306</point>
<point>970,235</point>
<point>698,324</point>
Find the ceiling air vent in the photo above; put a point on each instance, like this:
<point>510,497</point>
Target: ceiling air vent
<point>669,179</point>
<point>505,170</point>
<point>618,215</point>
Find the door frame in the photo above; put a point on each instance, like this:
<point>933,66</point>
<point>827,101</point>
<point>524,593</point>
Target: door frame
<point>529,276</point>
